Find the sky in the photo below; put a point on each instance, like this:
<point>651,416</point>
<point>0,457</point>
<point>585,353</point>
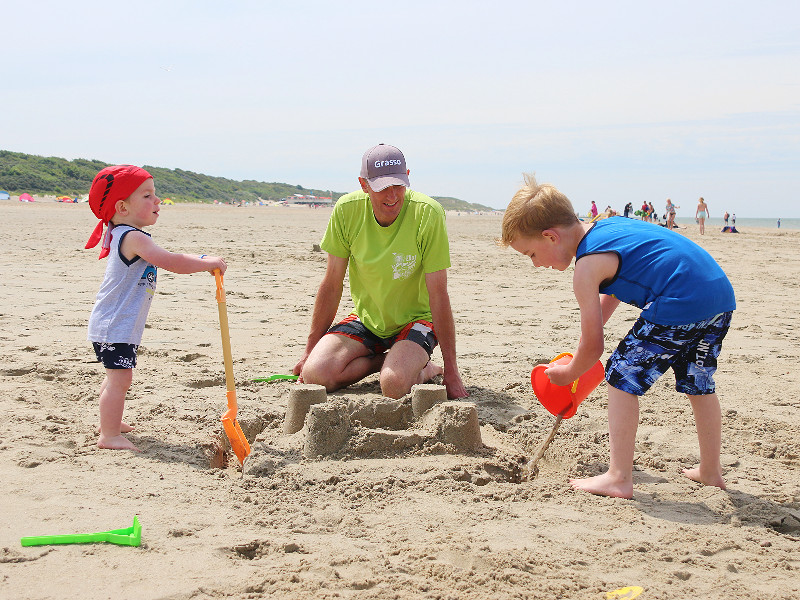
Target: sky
<point>615,101</point>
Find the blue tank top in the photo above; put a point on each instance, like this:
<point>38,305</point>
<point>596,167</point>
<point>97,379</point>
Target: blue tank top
<point>673,280</point>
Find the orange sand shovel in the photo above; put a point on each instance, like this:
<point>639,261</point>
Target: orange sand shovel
<point>232,428</point>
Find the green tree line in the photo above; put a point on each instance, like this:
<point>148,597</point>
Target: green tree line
<point>51,175</point>
<point>46,175</point>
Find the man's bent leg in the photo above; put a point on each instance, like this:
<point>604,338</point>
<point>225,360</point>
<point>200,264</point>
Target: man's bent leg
<point>406,364</point>
<point>337,361</point>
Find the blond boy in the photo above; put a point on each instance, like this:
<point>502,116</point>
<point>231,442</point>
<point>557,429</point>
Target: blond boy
<point>686,302</point>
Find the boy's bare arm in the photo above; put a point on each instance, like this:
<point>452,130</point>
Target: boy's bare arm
<point>590,272</point>
<point>137,243</point>
<point>608,304</point>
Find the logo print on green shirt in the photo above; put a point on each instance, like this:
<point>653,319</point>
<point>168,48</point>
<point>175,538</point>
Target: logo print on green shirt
<point>403,265</point>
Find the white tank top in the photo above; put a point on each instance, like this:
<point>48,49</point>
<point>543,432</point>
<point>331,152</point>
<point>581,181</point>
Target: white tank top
<point>121,306</point>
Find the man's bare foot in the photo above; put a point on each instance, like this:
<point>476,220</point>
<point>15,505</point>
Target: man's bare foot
<point>123,428</point>
<point>430,371</point>
<point>604,485</point>
<point>117,442</point>
<point>695,475</point>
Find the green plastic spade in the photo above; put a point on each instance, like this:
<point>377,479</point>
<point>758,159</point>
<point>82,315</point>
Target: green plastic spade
<point>276,378</point>
<point>128,536</point>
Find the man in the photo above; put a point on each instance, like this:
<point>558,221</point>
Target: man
<point>394,242</point>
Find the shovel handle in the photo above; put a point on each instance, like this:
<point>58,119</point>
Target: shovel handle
<point>226,340</point>
<point>220,285</point>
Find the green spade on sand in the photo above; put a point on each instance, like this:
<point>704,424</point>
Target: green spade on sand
<point>128,536</point>
<point>276,378</point>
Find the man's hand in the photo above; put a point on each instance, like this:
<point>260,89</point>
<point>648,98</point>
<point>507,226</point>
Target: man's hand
<point>454,385</point>
<point>299,367</point>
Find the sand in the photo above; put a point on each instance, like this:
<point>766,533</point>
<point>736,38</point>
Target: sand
<point>392,513</point>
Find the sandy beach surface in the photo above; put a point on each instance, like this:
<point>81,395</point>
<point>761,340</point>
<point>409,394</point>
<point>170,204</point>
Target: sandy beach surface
<point>376,519</point>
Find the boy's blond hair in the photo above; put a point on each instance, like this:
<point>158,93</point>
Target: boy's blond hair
<point>534,208</point>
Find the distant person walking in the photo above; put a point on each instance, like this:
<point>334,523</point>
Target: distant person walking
<point>726,216</point>
<point>779,222</point>
<point>670,212</point>
<point>700,215</point>
<point>593,210</point>
<point>628,210</point>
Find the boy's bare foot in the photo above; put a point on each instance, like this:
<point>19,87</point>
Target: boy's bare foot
<point>117,442</point>
<point>123,428</point>
<point>604,485</point>
<point>695,475</point>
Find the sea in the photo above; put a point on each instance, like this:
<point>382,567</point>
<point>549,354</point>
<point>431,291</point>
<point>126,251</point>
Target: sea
<point>743,223</point>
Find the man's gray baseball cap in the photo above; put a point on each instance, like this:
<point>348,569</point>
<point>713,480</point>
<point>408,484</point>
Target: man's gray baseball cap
<point>384,165</point>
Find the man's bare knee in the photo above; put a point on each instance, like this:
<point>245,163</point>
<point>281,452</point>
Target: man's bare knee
<point>320,376</point>
<point>393,385</point>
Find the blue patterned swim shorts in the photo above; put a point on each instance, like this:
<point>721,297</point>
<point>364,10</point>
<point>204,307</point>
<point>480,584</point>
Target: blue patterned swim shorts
<point>649,350</point>
<point>116,356</point>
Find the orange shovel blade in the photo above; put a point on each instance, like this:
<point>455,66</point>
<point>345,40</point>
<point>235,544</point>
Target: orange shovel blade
<point>239,444</point>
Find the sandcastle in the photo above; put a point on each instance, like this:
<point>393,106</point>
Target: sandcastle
<point>385,425</point>
<point>301,397</point>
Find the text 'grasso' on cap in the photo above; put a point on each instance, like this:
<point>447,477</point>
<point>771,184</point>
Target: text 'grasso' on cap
<point>384,165</point>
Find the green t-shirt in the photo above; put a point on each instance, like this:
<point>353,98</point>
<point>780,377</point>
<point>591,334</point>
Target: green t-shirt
<point>388,265</point>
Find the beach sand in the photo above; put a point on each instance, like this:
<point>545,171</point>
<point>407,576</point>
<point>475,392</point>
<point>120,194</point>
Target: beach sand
<point>375,520</point>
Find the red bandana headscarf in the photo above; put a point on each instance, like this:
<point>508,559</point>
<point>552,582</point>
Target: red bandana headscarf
<point>109,186</point>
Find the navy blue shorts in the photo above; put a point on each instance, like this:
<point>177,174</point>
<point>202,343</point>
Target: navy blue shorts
<point>116,356</point>
<point>420,332</point>
<point>649,350</point>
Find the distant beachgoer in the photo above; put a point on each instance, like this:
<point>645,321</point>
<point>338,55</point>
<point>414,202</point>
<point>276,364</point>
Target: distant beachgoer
<point>124,198</point>
<point>670,212</point>
<point>779,223</point>
<point>392,242</point>
<point>733,220</point>
<point>726,216</point>
<point>645,212</point>
<point>652,212</point>
<point>593,209</point>
<point>628,210</point>
<point>700,215</point>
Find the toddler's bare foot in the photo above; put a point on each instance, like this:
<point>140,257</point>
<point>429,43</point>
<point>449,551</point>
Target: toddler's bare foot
<point>117,442</point>
<point>604,485</point>
<point>123,428</point>
<point>714,479</point>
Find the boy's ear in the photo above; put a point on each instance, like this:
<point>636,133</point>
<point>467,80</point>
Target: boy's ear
<point>120,207</point>
<point>551,235</point>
